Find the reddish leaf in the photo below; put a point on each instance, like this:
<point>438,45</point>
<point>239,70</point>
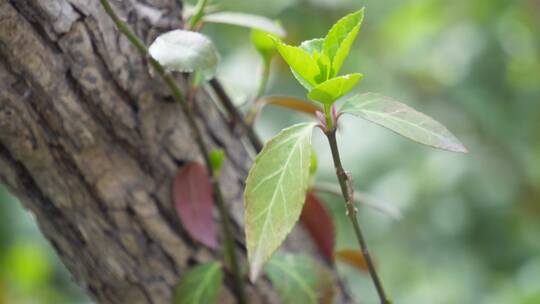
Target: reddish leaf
<point>352,257</point>
<point>319,224</point>
<point>194,203</point>
<point>293,104</point>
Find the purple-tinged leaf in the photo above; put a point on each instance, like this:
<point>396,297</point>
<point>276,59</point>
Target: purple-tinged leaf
<point>320,225</point>
<point>292,103</point>
<point>194,203</point>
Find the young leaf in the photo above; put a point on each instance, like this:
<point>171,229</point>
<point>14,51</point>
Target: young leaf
<point>194,204</point>
<point>292,103</point>
<point>313,46</point>
<point>275,192</point>
<point>340,38</point>
<point>314,165</point>
<point>403,120</point>
<point>264,43</point>
<point>200,285</point>
<point>299,279</point>
<point>185,51</point>
<point>247,20</point>
<point>216,159</point>
<point>304,67</point>
<point>331,90</point>
<point>320,225</point>
<point>352,257</point>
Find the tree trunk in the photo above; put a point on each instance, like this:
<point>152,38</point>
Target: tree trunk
<point>90,142</point>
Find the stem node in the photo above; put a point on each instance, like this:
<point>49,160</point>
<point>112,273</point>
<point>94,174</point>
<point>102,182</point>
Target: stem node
<point>345,182</point>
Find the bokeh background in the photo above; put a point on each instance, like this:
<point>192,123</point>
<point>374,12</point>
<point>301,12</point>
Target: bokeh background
<point>470,225</point>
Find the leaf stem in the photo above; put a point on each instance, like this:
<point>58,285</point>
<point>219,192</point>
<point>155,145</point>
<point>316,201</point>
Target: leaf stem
<point>199,13</point>
<point>328,117</point>
<point>265,73</point>
<point>345,183</point>
<point>178,97</point>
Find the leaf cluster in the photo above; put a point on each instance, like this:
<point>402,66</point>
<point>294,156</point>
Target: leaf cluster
<point>316,63</point>
<point>278,180</point>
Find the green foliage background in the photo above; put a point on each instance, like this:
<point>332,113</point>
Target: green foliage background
<point>470,226</point>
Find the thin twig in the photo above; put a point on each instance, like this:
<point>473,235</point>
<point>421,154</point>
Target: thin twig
<point>346,191</point>
<point>199,13</point>
<point>178,96</point>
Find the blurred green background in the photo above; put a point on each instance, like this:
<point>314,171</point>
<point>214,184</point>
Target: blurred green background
<point>470,226</point>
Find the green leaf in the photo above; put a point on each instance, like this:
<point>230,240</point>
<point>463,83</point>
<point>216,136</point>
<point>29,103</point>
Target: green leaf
<point>200,285</point>
<point>315,48</point>
<point>264,43</point>
<point>304,67</point>
<point>314,165</point>
<point>185,51</point>
<point>331,90</point>
<point>340,38</point>
<point>247,20</point>
<point>403,120</point>
<point>216,160</point>
<point>275,192</point>
<point>299,279</point>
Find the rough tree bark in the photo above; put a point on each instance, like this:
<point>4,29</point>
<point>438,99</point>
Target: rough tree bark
<point>90,142</point>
